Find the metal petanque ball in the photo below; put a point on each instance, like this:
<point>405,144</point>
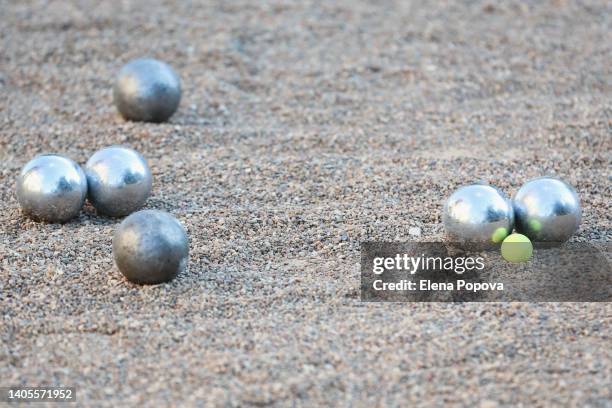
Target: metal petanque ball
<point>547,209</point>
<point>119,180</point>
<point>478,213</point>
<point>51,188</point>
<point>147,90</point>
<point>150,247</point>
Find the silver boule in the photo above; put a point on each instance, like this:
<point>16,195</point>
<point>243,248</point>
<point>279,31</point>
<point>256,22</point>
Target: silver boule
<point>478,213</point>
<point>119,180</point>
<point>51,188</point>
<point>147,90</point>
<point>547,209</point>
<point>150,247</point>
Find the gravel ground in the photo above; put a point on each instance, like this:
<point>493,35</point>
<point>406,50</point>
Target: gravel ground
<point>305,128</point>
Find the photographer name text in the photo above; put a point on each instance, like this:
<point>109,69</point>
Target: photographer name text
<point>428,285</point>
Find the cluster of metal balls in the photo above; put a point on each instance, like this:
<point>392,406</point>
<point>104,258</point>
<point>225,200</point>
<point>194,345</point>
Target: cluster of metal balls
<point>149,246</point>
<point>545,209</point>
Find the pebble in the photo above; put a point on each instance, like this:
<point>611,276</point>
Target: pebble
<point>414,231</point>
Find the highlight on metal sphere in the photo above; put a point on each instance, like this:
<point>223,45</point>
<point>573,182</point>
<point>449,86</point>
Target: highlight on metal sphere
<point>147,90</point>
<point>150,247</point>
<point>478,213</point>
<point>119,180</point>
<point>51,188</point>
<point>547,209</point>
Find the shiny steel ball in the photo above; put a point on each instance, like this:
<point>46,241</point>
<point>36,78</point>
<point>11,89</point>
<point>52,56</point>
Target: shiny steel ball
<point>51,188</point>
<point>147,90</point>
<point>547,209</point>
<point>119,180</point>
<point>150,247</point>
<point>478,213</point>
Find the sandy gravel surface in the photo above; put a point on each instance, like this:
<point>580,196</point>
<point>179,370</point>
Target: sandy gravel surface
<point>305,128</point>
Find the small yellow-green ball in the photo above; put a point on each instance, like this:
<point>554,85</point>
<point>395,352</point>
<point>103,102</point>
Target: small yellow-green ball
<point>499,235</point>
<point>516,248</point>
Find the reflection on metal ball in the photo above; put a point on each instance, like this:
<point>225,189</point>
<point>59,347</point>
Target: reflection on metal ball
<point>150,247</point>
<point>547,209</point>
<point>478,213</point>
<point>147,90</point>
<point>119,180</point>
<point>51,188</point>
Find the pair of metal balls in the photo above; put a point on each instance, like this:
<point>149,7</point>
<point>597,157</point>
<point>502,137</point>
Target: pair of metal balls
<point>53,188</point>
<point>545,209</point>
<point>149,246</point>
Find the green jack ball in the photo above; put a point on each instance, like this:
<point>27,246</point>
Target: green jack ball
<point>516,248</point>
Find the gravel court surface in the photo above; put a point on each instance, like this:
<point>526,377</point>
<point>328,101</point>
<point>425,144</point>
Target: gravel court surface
<point>305,128</point>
